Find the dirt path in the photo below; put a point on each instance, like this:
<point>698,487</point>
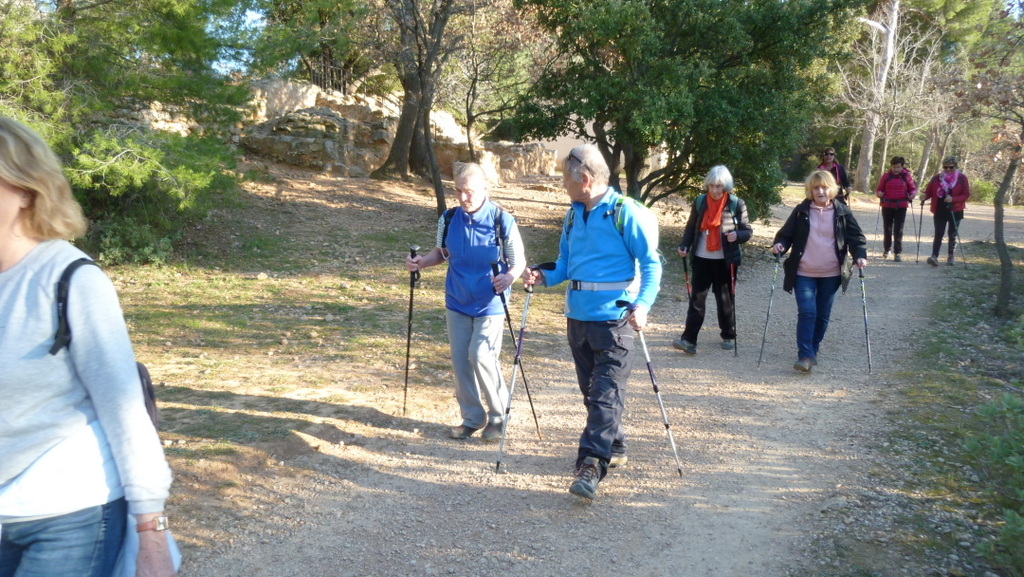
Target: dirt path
<point>764,451</point>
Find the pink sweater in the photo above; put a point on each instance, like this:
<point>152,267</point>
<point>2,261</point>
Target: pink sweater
<point>819,259</point>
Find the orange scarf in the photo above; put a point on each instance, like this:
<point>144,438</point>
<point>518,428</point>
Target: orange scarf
<point>713,222</point>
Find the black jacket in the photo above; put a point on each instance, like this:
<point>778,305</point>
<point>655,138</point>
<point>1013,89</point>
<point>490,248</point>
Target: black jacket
<point>849,239</point>
<point>732,220</point>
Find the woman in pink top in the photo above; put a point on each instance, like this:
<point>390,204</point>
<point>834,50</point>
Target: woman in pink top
<point>949,191</point>
<point>821,233</point>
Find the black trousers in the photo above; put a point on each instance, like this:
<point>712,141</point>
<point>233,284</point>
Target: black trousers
<point>709,273</point>
<point>944,222</point>
<point>892,223</point>
<point>603,352</point>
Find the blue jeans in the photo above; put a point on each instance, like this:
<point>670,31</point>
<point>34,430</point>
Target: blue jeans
<point>80,544</point>
<point>603,353</point>
<point>814,298</point>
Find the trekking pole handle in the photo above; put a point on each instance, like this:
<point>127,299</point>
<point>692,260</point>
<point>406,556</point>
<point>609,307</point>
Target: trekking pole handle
<point>414,276</point>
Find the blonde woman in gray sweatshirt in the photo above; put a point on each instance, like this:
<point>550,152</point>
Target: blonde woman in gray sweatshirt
<point>80,462</point>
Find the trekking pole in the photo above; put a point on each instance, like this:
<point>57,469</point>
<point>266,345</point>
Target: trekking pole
<point>732,293</point>
<point>878,217</point>
<point>512,385</point>
<point>771,296</point>
<point>920,224</point>
<point>414,277</point>
<point>518,361</point>
<point>657,392</point>
<point>686,273</point>
<point>956,231</point>
<point>864,302</point>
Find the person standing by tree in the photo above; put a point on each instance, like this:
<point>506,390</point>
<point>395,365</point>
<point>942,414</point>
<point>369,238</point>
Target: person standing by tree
<point>470,237</point>
<point>949,191</point>
<point>607,240</point>
<point>829,165</point>
<point>717,226</point>
<point>821,233</point>
<point>896,190</point>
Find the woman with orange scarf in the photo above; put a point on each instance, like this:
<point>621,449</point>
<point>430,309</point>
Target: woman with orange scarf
<point>716,228</point>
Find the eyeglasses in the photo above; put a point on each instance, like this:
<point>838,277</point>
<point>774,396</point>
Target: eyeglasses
<point>830,154</point>
<point>573,156</point>
<point>948,167</point>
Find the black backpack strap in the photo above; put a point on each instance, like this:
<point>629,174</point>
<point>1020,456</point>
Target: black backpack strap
<point>448,214</point>
<point>63,336</point>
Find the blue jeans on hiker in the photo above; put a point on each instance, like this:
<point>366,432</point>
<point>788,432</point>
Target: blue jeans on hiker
<point>85,543</point>
<point>603,354</point>
<point>814,298</point>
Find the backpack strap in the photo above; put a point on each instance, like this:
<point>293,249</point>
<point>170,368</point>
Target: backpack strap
<point>63,335</point>
<point>448,214</point>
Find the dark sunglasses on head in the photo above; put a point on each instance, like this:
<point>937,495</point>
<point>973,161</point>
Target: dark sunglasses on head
<point>576,158</point>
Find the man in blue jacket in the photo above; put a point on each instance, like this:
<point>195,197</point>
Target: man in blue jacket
<point>608,252</point>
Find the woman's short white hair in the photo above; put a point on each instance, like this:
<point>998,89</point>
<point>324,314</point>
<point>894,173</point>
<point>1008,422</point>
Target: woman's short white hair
<point>719,175</point>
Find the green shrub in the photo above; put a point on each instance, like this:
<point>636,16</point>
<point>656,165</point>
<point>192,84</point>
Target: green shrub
<point>983,191</point>
<point>1000,456</point>
<point>139,188</point>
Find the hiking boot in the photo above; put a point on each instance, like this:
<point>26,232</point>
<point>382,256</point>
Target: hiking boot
<point>728,344</point>
<point>587,478</point>
<point>463,432</point>
<point>492,432</point>
<point>897,258</point>
<point>885,255</point>
<point>949,260</point>
<point>685,346</point>
<point>618,461</point>
<point>933,260</point>
<point>804,365</point>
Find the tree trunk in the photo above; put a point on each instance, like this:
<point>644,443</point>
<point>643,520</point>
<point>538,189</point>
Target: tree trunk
<point>634,163</point>
<point>396,165</point>
<point>867,146</point>
<point>1002,308</point>
<point>849,152</point>
<point>926,154</point>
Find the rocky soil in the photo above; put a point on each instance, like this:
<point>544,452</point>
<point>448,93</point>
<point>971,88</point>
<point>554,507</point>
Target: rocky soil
<point>777,466</point>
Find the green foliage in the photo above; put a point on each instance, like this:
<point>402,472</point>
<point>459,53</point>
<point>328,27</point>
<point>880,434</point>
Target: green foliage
<point>716,82</point>
<point>1015,333</point>
<point>983,191</point>
<point>141,186</point>
<point>999,452</point>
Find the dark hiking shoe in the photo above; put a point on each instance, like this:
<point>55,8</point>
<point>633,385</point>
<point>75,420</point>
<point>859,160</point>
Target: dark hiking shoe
<point>463,432</point>
<point>492,432</point>
<point>804,365</point>
<point>587,478</point>
<point>897,258</point>
<point>685,346</point>
<point>618,461</point>
<point>933,260</point>
<point>950,261</point>
<point>728,344</point>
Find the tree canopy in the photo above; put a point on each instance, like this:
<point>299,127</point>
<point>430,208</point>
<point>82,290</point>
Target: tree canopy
<point>700,82</point>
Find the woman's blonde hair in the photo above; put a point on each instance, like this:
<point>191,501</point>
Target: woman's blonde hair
<point>819,178</point>
<point>27,163</point>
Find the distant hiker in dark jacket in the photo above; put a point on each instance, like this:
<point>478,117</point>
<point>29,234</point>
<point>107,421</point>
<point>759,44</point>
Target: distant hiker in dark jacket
<point>829,165</point>
<point>821,233</point>
<point>949,191</point>
<point>716,228</point>
<point>896,190</point>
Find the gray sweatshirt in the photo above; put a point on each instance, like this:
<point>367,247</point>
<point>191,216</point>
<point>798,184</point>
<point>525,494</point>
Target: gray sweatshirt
<point>46,398</point>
